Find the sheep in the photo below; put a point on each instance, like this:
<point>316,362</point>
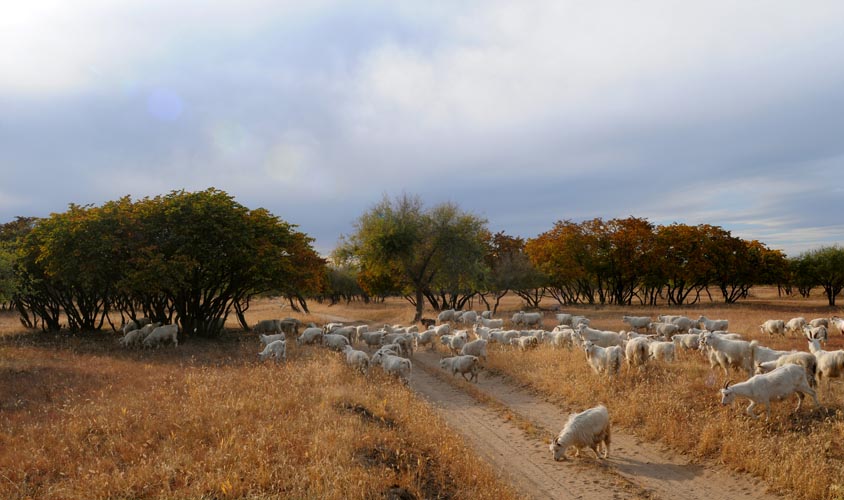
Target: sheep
<point>350,332</point>
<point>267,339</point>
<point>805,359</point>
<point>773,326</point>
<point>838,323</point>
<point>462,364</point>
<point>781,382</point>
<point>830,363</point>
<point>491,323</point>
<point>447,315</point>
<point>683,323</point>
<point>603,360</point>
<point>405,340</point>
<point>762,354</point>
<point>816,332</point>
<point>664,330</point>
<point>662,351</point>
<point>525,343</point>
<point>458,340</point>
<point>267,326</point>
<point>162,334</point>
<point>637,322</point>
<point>469,318</point>
<point>795,326</point>
<point>686,340</point>
<point>277,349</point>
<point>135,324</point>
<point>600,337</point>
<point>356,359</point>
<point>372,339</point>
<point>579,320</point>
<point>636,352</point>
<point>819,322</point>
<point>527,319</point>
<point>560,338</point>
<point>736,353</point>
<point>713,324</point>
<point>424,338</point>
<point>589,428</point>
<point>394,365</point>
<point>475,348</point>
<point>291,326</point>
<point>309,335</point>
<point>330,327</point>
<point>334,342</point>
<point>563,319</point>
<point>133,338</point>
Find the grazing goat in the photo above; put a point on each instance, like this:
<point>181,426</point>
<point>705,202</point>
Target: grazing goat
<point>590,428</point>
<point>276,349</point>
<point>462,364</point>
<point>777,384</point>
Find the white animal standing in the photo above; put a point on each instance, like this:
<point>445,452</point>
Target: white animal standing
<point>761,389</point>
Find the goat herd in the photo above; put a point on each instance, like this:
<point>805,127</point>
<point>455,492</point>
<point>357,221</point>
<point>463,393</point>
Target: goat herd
<point>778,374</point>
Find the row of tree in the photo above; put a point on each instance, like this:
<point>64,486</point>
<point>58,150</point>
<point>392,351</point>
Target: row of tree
<point>197,257</point>
<point>187,257</point>
<point>446,257</point>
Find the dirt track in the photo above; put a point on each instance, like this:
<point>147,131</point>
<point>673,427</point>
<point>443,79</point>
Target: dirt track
<point>635,469</point>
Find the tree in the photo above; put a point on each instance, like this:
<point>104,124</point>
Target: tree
<point>825,265</point>
<point>682,264</point>
<point>189,257</point>
<point>399,247</point>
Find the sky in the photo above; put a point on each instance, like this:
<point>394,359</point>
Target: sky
<point>522,112</point>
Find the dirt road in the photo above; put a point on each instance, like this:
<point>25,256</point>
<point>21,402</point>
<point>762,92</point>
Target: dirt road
<point>511,428</point>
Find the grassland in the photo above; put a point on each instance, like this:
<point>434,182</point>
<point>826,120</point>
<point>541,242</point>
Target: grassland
<point>81,419</point>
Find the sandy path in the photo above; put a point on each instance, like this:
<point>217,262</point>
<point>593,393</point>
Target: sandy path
<point>634,469</point>
<point>523,462</point>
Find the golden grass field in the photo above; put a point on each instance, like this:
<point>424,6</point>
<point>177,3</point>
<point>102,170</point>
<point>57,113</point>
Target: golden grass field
<point>82,418</point>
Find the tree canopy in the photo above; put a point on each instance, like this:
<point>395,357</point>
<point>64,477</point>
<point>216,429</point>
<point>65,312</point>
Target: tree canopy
<point>185,256</point>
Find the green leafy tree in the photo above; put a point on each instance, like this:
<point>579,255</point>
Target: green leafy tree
<point>825,266</point>
<point>402,248</point>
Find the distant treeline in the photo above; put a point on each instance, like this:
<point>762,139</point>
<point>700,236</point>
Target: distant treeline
<point>194,258</point>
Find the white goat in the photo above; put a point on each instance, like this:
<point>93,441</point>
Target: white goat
<point>603,360</point>
<point>663,351</point>
<point>475,348</point>
<point>266,339</point>
<point>713,324</point>
<point>805,359</point>
<point>600,337</point>
<point>276,349</point>
<point>830,363</point>
<point>773,327</point>
<point>637,322</point>
<point>394,365</point>
<point>462,364</point>
<point>777,384</point>
<point>356,359</point>
<point>795,326</point>
<point>737,354</point>
<point>587,429</point>
<point>309,335</point>
<point>163,334</point>
<point>636,352</point>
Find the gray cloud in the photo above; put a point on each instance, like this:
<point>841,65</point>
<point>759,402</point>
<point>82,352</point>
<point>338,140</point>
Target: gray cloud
<point>719,113</point>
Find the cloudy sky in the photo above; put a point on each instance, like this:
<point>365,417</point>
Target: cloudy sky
<point>524,112</point>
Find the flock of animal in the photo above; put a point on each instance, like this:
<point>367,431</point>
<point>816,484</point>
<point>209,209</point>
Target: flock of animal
<point>773,374</point>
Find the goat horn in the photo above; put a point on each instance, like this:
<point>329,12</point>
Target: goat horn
<point>727,384</point>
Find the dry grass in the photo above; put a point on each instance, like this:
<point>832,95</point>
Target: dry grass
<point>801,455</point>
<point>80,418</point>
